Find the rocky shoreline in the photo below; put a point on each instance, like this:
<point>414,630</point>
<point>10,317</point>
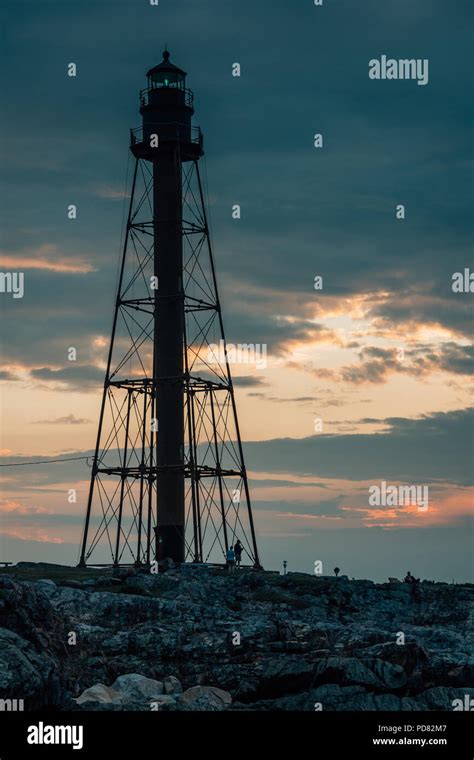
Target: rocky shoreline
<point>195,638</point>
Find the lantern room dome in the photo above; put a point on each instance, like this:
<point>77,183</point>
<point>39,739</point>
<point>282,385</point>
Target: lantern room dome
<point>166,74</point>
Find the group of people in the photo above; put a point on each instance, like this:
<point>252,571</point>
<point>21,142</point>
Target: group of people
<point>234,556</point>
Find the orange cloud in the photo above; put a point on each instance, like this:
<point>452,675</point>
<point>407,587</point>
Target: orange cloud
<point>44,257</point>
<point>12,506</point>
<point>32,534</point>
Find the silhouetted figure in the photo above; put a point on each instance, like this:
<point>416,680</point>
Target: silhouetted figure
<point>284,566</point>
<point>337,570</point>
<point>415,592</point>
<point>230,557</point>
<point>238,549</point>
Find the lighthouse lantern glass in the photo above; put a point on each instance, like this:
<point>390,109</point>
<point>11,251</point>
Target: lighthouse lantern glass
<point>167,78</point>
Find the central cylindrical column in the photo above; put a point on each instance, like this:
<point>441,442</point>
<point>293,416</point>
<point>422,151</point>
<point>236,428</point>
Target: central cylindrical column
<point>168,354</point>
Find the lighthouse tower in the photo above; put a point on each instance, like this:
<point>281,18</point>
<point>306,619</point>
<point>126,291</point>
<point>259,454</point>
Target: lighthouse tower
<point>168,475</point>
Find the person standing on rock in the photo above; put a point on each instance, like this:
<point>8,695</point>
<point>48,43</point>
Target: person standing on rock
<point>230,557</point>
<point>415,593</point>
<point>238,549</point>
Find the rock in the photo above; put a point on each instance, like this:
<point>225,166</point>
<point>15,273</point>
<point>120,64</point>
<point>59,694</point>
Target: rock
<point>26,674</point>
<point>164,701</point>
<point>172,685</point>
<point>129,692</point>
<point>442,698</point>
<point>133,687</point>
<point>302,640</point>
<point>99,693</point>
<point>285,674</point>
<point>392,676</point>
<point>205,698</point>
<point>345,671</point>
<point>327,697</point>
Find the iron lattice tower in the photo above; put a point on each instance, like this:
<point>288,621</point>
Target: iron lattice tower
<point>168,475</point>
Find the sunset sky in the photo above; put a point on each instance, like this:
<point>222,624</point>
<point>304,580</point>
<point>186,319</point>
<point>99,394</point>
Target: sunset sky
<point>382,355</point>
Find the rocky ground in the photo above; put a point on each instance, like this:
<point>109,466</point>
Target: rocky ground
<point>195,638</point>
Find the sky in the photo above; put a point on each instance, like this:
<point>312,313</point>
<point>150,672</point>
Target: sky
<point>368,380</point>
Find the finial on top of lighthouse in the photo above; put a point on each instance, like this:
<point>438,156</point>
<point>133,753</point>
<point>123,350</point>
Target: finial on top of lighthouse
<point>166,54</point>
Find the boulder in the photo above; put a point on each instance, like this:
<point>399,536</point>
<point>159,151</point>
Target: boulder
<point>205,698</point>
<point>99,693</point>
<point>133,687</point>
<point>172,685</point>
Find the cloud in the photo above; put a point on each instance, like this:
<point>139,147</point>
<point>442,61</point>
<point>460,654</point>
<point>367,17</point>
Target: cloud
<point>279,400</point>
<point>434,447</point>
<point>31,534</point>
<point>16,508</point>
<point>431,304</point>
<point>109,192</point>
<point>7,375</point>
<point>44,257</point>
<point>248,381</point>
<point>68,420</point>
<point>377,365</point>
<point>304,211</point>
<point>284,483</point>
<point>83,377</point>
<point>325,508</point>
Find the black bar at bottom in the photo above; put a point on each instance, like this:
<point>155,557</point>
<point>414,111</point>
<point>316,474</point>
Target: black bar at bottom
<point>285,734</point>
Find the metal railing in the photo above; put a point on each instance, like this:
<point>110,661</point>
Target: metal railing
<point>145,95</point>
<point>195,134</point>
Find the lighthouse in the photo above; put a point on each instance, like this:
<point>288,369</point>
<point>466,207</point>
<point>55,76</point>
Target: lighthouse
<point>168,475</point>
